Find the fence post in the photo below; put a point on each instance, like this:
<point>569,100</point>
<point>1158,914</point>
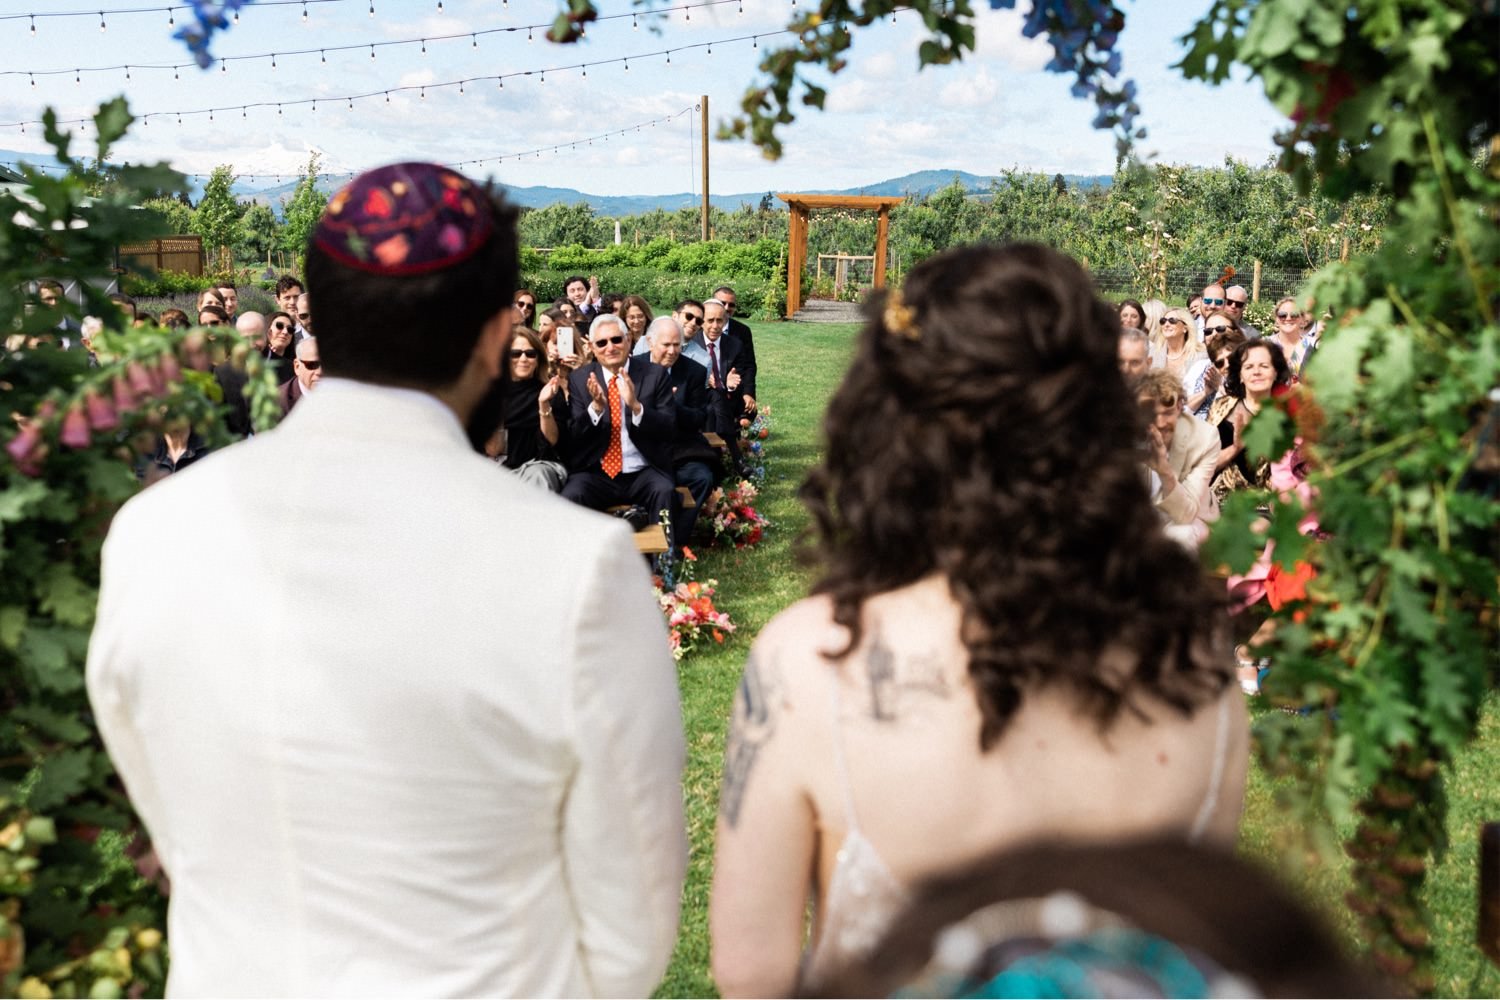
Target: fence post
<point>1255,283</point>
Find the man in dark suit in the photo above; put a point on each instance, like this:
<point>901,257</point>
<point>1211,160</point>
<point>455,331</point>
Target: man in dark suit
<point>623,420</point>
<point>726,382</point>
<point>748,367</point>
<point>695,464</point>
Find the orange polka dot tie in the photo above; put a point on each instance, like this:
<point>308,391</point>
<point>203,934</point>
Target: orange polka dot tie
<point>613,455</point>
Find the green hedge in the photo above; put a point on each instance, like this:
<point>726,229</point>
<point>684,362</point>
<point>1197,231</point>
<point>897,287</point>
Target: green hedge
<point>728,260</point>
<point>662,288</point>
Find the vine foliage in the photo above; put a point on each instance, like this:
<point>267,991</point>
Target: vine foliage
<point>80,914</point>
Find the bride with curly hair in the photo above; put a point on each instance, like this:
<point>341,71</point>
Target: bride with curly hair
<point>1003,646</point>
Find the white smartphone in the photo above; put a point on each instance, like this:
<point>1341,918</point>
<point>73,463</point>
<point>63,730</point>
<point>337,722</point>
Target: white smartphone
<point>565,344</point>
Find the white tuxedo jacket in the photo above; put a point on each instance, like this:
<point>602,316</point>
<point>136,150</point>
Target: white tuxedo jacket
<point>398,723</point>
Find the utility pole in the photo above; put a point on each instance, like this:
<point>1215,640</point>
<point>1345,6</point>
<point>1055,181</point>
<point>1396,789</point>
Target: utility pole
<point>703,104</point>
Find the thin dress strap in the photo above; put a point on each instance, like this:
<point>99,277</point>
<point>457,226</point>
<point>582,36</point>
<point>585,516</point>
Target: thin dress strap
<point>1215,777</point>
<point>840,762</point>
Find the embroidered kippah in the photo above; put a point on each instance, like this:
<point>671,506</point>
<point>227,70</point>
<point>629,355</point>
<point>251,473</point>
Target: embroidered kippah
<point>405,219</point>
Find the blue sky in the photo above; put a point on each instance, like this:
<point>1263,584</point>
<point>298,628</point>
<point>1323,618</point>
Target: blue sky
<point>996,110</point>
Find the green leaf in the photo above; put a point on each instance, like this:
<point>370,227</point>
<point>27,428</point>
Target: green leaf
<point>1267,435</point>
<point>1333,370</point>
<point>65,597</point>
<point>1274,29</point>
<point>63,775</point>
<point>12,624</point>
<point>111,121</point>
<point>1391,369</point>
<point>51,723</point>
<point>47,654</point>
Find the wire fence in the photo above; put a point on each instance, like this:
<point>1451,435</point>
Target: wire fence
<point>1275,283</point>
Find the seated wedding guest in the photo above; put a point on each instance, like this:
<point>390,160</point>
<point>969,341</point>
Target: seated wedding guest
<point>252,326</point>
<point>612,302</point>
<point>230,296</point>
<point>1292,336</point>
<point>210,297</point>
<point>303,316</point>
<point>525,303</point>
<point>1154,309</point>
<point>1151,918</point>
<point>1181,451</point>
<point>695,464</point>
<point>689,316</point>
<point>549,325</point>
<point>726,355</point>
<point>307,368</point>
<point>584,295</point>
<point>126,305</point>
<point>175,319</point>
<point>212,316</point>
<point>530,439</point>
<point>418,773</point>
<point>279,352</point>
<point>177,447</point>
<point>232,378</point>
<point>1205,389</point>
<point>748,367</point>
<point>1133,352</point>
<point>288,288</point>
<point>1176,348</point>
<point>636,312</point>
<point>1256,370</point>
<point>622,424</point>
<point>1074,665</point>
<point>1132,315</point>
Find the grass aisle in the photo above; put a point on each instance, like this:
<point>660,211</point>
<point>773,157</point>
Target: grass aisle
<point>801,364</point>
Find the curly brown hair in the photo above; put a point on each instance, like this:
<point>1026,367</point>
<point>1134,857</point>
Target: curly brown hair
<point>991,438</point>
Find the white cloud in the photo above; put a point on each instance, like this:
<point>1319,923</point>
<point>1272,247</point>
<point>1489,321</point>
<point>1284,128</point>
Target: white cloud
<point>997,36</point>
<point>972,90</point>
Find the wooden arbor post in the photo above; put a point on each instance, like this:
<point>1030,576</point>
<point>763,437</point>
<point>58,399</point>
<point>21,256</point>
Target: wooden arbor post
<point>801,206</point>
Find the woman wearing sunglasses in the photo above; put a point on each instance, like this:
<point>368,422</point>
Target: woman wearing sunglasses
<point>525,303</point>
<point>531,433</point>
<point>280,328</point>
<point>1291,335</point>
<point>1175,347</point>
<point>1202,392</point>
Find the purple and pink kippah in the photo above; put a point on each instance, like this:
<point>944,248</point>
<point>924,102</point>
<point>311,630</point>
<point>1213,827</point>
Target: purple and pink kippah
<point>405,219</point>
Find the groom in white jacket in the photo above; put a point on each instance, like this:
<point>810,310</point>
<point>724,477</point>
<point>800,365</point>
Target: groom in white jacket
<point>398,724</point>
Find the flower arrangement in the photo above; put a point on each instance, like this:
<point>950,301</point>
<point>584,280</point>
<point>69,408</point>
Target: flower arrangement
<point>753,435</point>
<point>691,615</point>
<point>732,513</point>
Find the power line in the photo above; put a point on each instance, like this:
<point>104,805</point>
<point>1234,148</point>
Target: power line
<point>323,50</point>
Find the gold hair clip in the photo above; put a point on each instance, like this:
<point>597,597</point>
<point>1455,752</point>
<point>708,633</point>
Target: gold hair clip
<point>899,317</point>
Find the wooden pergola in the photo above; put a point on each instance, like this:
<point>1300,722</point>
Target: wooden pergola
<point>801,206</point>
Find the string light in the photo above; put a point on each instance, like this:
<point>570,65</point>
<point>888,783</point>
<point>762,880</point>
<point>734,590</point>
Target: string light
<point>127,72</point>
<point>323,57</point>
<point>102,26</point>
<point>440,6</point>
<point>273,60</point>
<point>76,78</point>
<point>33,25</point>
<point>223,66</point>
<point>171,18</point>
<point>475,40</point>
<point>304,13</point>
<point>424,46</point>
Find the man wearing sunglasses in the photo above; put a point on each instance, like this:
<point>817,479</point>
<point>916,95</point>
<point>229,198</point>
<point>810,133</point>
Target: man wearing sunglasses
<point>417,770</point>
<point>307,368</point>
<point>735,328</point>
<point>1211,303</point>
<point>1236,298</point>
<point>623,422</point>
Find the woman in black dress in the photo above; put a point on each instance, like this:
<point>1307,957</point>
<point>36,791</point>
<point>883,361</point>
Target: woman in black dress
<point>532,433</point>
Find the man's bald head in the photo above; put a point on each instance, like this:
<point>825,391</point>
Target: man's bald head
<point>252,326</point>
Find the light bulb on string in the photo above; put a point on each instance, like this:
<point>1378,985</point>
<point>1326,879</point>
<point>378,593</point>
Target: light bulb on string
<point>278,111</point>
<point>102,26</point>
<point>243,113</point>
<point>175,74</point>
<point>460,88</point>
<point>210,114</point>
<point>372,53</point>
<point>315,107</point>
<point>528,34</point>
<point>273,60</point>
<point>77,78</point>
<point>755,42</point>
<point>127,72</point>
<point>687,14</point>
<point>387,97</point>
<point>236,15</point>
<point>223,65</point>
<point>585,72</point>
<point>475,40</point>
<point>710,50</point>
<point>304,11</point>
<point>323,57</point>
<point>669,57</point>
<point>351,104</point>
<point>544,76</point>
<point>171,18</point>
<point>372,8</point>
<point>742,8</point>
<point>634,25</point>
<point>424,46</point>
<point>33,25</point>
<point>179,119</point>
<point>440,6</point>
<point>424,93</point>
<point>627,65</point>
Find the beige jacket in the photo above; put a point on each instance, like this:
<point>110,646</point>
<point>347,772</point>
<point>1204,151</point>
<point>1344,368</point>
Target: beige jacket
<point>398,723</point>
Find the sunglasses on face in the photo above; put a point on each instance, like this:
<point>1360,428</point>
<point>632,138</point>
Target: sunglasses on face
<point>281,326</point>
<point>1215,329</point>
<point>311,366</point>
<point>213,322</point>
<point>304,315</point>
<point>1213,302</point>
<point>1222,362</point>
<point>602,341</point>
<point>1286,315</point>
<point>523,352</point>
<point>528,306</point>
<point>690,319</point>
<point>1173,319</point>
<point>1237,303</point>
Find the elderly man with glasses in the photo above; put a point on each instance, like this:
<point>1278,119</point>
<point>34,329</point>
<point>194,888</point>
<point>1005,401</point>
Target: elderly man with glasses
<point>623,421</point>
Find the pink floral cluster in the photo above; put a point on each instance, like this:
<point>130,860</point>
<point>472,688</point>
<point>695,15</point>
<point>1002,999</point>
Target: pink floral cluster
<point>97,409</point>
<point>691,615</point>
<point>733,515</point>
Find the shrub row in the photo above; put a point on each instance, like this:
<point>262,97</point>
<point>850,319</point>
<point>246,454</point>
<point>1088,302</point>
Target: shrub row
<point>661,288</point>
<point>723,259</point>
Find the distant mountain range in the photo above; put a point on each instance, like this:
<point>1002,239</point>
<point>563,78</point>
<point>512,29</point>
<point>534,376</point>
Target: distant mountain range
<point>923,182</point>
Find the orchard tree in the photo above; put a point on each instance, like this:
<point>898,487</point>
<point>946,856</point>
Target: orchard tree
<point>217,219</point>
<point>260,231</point>
<point>301,211</point>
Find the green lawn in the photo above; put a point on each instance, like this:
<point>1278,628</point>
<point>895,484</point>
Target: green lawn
<point>801,365</point>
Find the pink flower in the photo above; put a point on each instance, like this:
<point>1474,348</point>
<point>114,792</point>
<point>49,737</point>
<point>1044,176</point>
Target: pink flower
<point>26,449</point>
<point>126,398</point>
<point>75,428</point>
<point>101,412</point>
